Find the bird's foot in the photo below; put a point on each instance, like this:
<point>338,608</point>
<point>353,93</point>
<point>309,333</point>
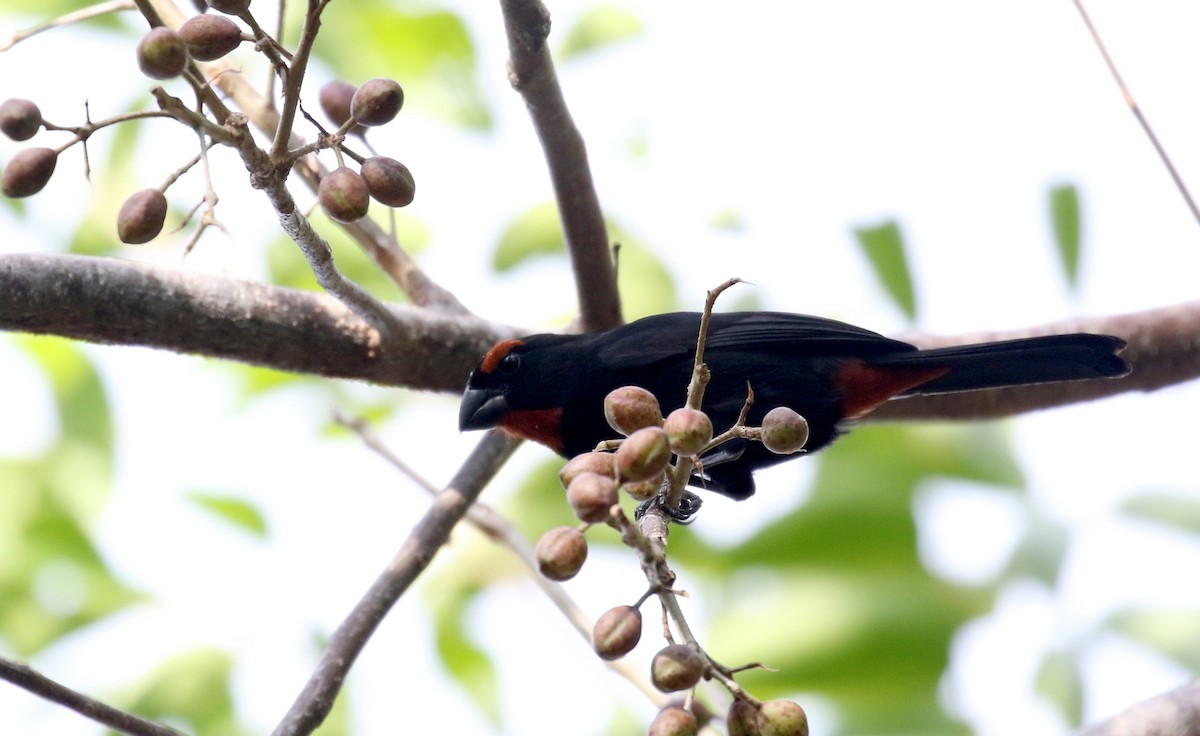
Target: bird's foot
<point>688,506</point>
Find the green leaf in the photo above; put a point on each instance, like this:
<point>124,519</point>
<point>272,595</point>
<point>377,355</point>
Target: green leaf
<point>193,688</point>
<point>429,53</point>
<point>466,662</point>
<point>1064,216</point>
<point>235,511</point>
<point>1169,509</point>
<point>535,232</point>
<point>1060,681</point>
<point>884,248</point>
<point>600,26</point>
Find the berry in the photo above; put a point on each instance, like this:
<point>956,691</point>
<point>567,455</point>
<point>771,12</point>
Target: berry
<point>343,194</point>
<point>630,408</point>
<point>335,99</point>
<point>377,101</point>
<point>617,632</point>
<point>688,430</point>
<point>673,721</point>
<point>28,172</point>
<point>676,667</point>
<point>591,495</point>
<point>20,119</point>
<point>784,431</point>
<point>162,54</point>
<point>588,462</point>
<point>561,553</point>
<point>782,718</point>
<point>389,181</point>
<point>209,37</point>
<point>141,217</point>
<point>643,455</point>
<point>742,719</point>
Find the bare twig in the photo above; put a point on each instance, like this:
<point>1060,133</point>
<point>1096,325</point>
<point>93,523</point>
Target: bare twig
<point>313,703</point>
<point>67,19</point>
<point>531,73</point>
<point>35,682</point>
<point>1137,111</point>
<point>499,529</point>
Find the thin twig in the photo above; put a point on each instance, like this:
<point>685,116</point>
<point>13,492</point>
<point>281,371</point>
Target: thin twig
<point>66,19</point>
<point>429,535</point>
<point>500,530</point>
<point>27,678</point>
<point>1137,111</point>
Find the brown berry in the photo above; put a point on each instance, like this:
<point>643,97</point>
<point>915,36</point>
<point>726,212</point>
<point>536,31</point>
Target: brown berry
<point>782,718</point>
<point>377,101</point>
<point>141,217</point>
<point>617,632</point>
<point>688,430</point>
<point>643,455</point>
<point>162,54</point>
<point>630,408</point>
<point>20,119</point>
<point>676,667</point>
<point>644,490</point>
<point>742,719</point>
<point>28,172</point>
<point>784,431</point>
<point>591,495</point>
<point>389,181</point>
<point>673,721</point>
<point>229,7</point>
<point>343,194</point>
<point>561,553</point>
<point>209,37</point>
<point>588,462</point>
<point>335,99</point>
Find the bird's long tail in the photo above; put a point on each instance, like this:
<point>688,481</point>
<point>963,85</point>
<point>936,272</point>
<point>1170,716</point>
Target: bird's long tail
<point>1015,362</point>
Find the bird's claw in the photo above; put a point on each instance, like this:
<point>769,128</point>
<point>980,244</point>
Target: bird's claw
<point>689,504</point>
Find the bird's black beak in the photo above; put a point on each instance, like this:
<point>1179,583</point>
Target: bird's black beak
<point>481,409</point>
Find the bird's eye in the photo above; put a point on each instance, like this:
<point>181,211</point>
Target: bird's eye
<point>510,364</point>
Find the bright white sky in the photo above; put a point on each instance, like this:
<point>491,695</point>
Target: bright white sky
<point>808,119</point>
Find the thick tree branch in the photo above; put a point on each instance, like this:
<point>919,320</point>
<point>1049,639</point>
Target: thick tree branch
<point>531,73</point>
<point>1164,350</point>
<point>117,302</point>
<point>1174,713</point>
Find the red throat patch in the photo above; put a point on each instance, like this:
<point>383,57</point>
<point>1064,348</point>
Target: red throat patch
<point>498,353</point>
<point>866,386</point>
<point>543,426</point>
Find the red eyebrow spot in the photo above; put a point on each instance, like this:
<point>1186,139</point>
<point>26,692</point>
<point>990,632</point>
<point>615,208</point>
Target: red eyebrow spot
<point>498,352</point>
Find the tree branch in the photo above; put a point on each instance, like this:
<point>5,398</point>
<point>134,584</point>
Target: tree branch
<point>1164,350</point>
<point>115,302</point>
<point>35,682</point>
<point>118,302</point>
<point>531,73</point>
<point>314,702</point>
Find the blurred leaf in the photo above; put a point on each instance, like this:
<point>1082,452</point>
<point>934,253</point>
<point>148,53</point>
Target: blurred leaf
<point>83,412</point>
<point>1041,551</point>
<point>600,26</point>
<point>1169,509</point>
<point>52,579</point>
<point>535,232</point>
<point>1064,216</point>
<point>467,663</point>
<point>47,9</point>
<point>645,284</point>
<point>429,53</point>
<point>728,220</point>
<point>1175,633</point>
<point>237,512</point>
<point>193,688</point>
<point>884,247</point>
<point>1060,681</point>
